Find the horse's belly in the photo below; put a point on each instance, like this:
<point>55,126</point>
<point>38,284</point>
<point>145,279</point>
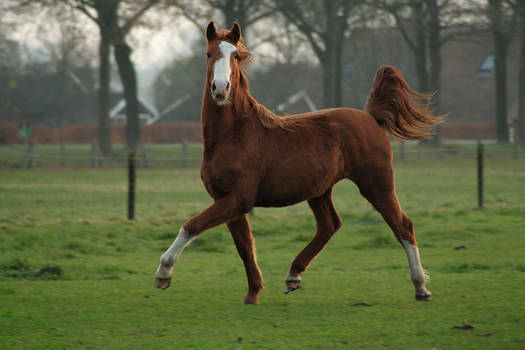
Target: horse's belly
<point>275,192</point>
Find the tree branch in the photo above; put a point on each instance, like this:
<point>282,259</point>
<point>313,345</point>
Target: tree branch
<point>131,22</point>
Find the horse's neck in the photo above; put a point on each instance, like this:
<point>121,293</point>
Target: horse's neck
<point>218,121</point>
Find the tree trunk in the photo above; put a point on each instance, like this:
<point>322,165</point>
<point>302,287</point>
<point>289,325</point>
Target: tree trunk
<point>233,14</point>
<point>339,39</point>
<point>104,125</point>
<point>434,50</point>
<point>521,83</point>
<point>62,77</point>
<point>235,11</point>
<point>329,60</point>
<point>129,82</point>
<point>500,64</point>
<point>338,75</point>
<point>327,67</point>
<point>421,47</point>
<point>500,70</point>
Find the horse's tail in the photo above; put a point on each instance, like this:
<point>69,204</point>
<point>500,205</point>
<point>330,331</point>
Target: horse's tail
<point>404,113</point>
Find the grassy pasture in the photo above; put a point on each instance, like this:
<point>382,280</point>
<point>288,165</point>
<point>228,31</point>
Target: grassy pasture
<point>74,274</point>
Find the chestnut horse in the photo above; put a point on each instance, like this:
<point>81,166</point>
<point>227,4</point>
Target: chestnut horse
<point>252,157</point>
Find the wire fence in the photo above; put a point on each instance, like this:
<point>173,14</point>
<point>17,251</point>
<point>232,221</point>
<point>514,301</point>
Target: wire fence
<point>88,156</point>
<point>456,150</point>
<point>189,155</point>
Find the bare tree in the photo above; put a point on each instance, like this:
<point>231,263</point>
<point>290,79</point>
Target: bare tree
<point>502,27</point>
<point>10,63</point>
<point>64,56</point>
<point>115,19</point>
<point>519,8</point>
<point>521,84</point>
<point>324,24</point>
<point>426,25</point>
<point>100,12</point>
<point>244,12</point>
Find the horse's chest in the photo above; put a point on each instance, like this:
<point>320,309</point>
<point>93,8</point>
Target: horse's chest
<point>219,177</point>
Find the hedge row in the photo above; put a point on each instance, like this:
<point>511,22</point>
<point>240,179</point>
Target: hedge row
<point>86,133</point>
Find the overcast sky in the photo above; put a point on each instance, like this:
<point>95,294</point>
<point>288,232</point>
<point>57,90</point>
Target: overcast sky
<point>152,48</point>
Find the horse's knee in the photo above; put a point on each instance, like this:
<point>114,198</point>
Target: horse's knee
<point>192,227</point>
<point>406,231</point>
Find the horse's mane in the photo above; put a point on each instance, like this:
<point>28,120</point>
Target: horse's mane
<point>245,56</point>
<point>265,116</point>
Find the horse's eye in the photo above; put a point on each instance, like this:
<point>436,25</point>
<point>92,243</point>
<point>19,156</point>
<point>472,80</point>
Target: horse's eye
<point>237,56</point>
<point>208,54</point>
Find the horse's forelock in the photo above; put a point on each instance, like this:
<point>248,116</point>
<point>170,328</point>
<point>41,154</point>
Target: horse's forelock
<point>245,56</point>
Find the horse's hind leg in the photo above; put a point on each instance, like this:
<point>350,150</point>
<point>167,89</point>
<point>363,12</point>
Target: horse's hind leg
<point>328,222</point>
<point>242,236</point>
<point>381,194</point>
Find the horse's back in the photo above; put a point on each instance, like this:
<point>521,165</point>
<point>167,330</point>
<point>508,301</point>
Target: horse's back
<point>361,139</point>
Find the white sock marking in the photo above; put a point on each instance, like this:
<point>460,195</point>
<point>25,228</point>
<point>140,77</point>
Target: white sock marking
<point>170,256</point>
<point>416,270</point>
<point>290,278</point>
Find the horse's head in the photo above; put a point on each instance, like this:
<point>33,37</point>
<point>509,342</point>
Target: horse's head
<point>225,61</point>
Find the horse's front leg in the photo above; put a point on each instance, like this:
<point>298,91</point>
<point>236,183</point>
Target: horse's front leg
<point>170,256</point>
<point>242,236</point>
<point>218,213</point>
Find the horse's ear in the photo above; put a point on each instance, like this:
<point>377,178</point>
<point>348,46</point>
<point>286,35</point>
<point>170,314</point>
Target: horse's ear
<point>235,33</point>
<point>211,32</point>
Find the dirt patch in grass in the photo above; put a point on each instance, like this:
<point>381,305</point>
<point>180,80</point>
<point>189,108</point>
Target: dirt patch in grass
<point>19,269</point>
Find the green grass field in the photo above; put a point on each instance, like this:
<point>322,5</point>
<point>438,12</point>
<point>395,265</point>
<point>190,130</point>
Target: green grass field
<point>74,274</point>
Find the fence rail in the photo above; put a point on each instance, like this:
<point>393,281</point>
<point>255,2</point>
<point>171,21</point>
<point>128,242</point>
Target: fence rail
<point>189,155</point>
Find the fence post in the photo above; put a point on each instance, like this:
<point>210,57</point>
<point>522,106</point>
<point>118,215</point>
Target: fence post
<point>96,155</point>
<point>441,148</point>
<point>141,153</point>
<point>480,174</point>
<point>185,154</point>
<point>27,163</point>
<point>131,184</point>
<point>62,151</point>
<point>516,147</point>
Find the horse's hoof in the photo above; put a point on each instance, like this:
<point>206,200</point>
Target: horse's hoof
<point>162,284</point>
<point>249,302</point>
<point>291,286</point>
<point>424,297</point>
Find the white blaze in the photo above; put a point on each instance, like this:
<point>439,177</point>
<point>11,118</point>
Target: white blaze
<point>222,70</point>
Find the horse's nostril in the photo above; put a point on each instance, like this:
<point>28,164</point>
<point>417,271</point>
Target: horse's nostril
<point>213,87</point>
<point>227,85</point>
